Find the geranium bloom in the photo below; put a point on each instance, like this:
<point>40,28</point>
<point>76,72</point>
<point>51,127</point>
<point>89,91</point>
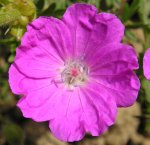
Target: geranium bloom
<point>74,72</point>
<point>146,64</point>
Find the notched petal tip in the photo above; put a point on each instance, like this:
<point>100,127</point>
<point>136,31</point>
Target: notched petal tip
<point>38,114</point>
<point>40,23</point>
<point>37,23</point>
<point>88,6</point>
<point>133,54</point>
<point>82,7</point>
<point>67,129</point>
<point>85,9</point>
<point>115,27</point>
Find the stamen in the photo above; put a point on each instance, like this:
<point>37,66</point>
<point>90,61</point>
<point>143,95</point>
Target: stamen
<point>74,74</point>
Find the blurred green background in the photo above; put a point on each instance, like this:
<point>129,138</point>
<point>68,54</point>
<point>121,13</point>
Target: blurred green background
<point>132,125</point>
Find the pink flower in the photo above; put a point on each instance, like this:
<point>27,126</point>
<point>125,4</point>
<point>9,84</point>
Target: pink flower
<point>74,72</point>
<point>146,64</point>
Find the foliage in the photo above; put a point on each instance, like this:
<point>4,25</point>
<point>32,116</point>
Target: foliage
<point>16,14</point>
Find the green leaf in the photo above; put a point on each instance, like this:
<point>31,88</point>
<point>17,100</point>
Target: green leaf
<point>25,7</point>
<point>59,13</point>
<point>126,13</point>
<point>40,5</point>
<point>134,6</point>
<point>4,2</point>
<point>109,3</point>
<point>146,87</point>
<point>144,11</point>
<point>147,37</point>
<point>73,1</point>
<point>11,58</point>
<point>17,31</point>
<point>60,4</point>
<point>9,17</point>
<point>131,36</point>
<point>13,134</point>
<point>95,2</point>
<point>50,10</point>
<point>130,10</point>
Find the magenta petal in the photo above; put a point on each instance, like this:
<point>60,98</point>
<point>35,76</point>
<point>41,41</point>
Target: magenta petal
<point>40,113</point>
<point>43,112</point>
<point>36,62</point>
<point>115,27</point>
<point>115,53</point>
<point>51,34</point>
<point>38,97</point>
<point>146,64</point>
<point>21,84</point>
<point>56,103</point>
<point>67,125</point>
<point>101,109</point>
<point>37,113</point>
<point>123,87</point>
<point>77,17</point>
<point>67,129</point>
<point>44,105</point>
<point>14,79</point>
<point>113,70</point>
<point>36,68</point>
<point>84,114</point>
<point>91,30</point>
<point>75,72</point>
<point>107,29</point>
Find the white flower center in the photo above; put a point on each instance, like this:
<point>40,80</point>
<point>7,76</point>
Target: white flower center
<point>74,74</point>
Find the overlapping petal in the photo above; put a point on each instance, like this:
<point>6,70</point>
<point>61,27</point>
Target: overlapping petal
<point>67,129</point>
<point>46,106</point>
<point>122,87</point>
<point>51,34</point>
<point>36,90</point>
<point>113,53</point>
<point>114,72</point>
<point>84,113</point>
<point>69,126</point>
<point>37,68</point>
<point>90,30</point>
<point>146,64</point>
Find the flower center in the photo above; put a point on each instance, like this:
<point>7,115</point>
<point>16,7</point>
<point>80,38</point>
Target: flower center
<point>74,74</point>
